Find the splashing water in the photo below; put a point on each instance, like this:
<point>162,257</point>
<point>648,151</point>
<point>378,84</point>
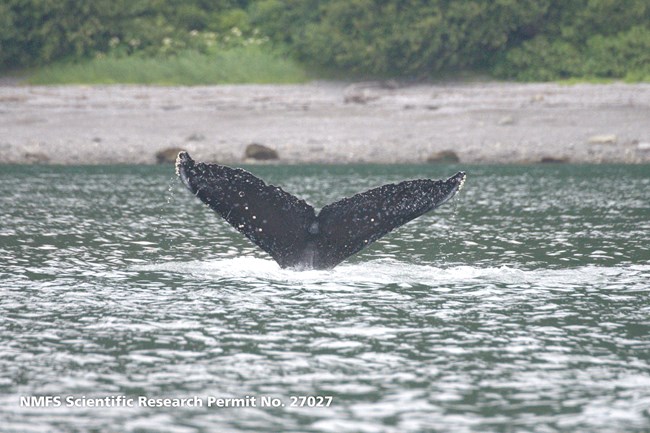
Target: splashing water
<point>523,306</point>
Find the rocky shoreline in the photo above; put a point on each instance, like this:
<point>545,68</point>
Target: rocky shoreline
<point>327,122</point>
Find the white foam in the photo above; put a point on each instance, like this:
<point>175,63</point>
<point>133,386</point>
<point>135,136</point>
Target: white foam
<point>387,271</point>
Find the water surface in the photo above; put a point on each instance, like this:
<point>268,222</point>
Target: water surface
<point>523,305</point>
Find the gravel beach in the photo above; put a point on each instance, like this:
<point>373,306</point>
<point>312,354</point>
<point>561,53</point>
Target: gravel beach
<point>328,122</point>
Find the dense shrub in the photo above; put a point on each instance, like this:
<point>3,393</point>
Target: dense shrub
<point>36,32</point>
<point>525,39</point>
<point>624,55</point>
<point>522,39</point>
<point>589,39</point>
<point>399,37</point>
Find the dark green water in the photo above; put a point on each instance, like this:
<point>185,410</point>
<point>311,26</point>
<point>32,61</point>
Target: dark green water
<point>523,305</point>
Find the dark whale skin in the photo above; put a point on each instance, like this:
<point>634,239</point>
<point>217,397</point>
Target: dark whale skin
<point>289,229</point>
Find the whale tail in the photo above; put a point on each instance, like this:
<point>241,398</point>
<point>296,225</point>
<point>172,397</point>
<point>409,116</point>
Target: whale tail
<point>288,228</point>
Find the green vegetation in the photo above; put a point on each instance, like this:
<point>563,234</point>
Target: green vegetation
<point>236,65</point>
<point>215,41</point>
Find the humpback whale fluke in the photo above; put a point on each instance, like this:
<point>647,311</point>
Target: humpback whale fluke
<point>288,228</point>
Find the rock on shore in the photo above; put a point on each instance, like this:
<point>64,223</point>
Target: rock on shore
<point>317,122</point>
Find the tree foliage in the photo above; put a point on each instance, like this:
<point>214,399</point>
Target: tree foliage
<point>37,32</point>
<point>586,38</point>
<point>523,39</point>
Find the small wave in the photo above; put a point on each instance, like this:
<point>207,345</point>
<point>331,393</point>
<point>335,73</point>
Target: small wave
<point>389,271</point>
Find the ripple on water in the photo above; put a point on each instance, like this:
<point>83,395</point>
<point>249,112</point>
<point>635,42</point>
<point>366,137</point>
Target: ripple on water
<point>522,306</point>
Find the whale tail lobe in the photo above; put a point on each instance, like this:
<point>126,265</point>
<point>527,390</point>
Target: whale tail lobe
<point>288,228</point>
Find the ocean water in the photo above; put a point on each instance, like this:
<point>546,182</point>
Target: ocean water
<point>522,305</point>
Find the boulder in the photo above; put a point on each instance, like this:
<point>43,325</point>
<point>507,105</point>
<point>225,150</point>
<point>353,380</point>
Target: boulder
<point>506,120</point>
<point>602,139</point>
<point>359,97</point>
<point>168,156</point>
<point>360,93</point>
<point>36,158</point>
<point>260,152</point>
<point>443,157</point>
<point>196,137</point>
<point>554,160</point>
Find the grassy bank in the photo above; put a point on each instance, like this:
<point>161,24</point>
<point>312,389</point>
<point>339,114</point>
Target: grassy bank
<point>251,64</point>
